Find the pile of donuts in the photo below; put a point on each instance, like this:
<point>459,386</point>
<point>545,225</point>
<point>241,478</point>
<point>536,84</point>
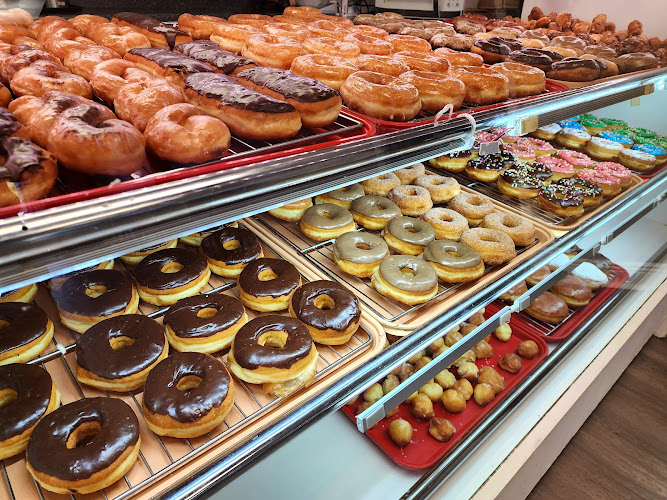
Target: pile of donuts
<point>454,386</point>
<point>572,292</point>
<point>454,244</point>
<point>186,393</point>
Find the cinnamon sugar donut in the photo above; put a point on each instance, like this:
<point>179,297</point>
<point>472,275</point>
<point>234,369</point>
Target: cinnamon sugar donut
<point>381,185</point>
<point>473,207</point>
<point>446,223</point>
<point>407,175</point>
<point>441,188</point>
<point>412,200</point>
<point>495,247</point>
<point>520,229</point>
<point>462,43</point>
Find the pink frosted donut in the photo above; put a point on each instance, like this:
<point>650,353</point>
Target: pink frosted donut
<point>617,170</point>
<point>523,152</point>
<point>485,136</point>
<point>575,158</point>
<point>541,148</point>
<point>560,168</point>
<point>610,184</point>
<point>510,138</point>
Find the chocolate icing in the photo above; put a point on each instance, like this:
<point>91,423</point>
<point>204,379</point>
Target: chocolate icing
<point>210,52</point>
<point>20,155</point>
<point>32,385</point>
<point>229,92</point>
<point>47,449</point>
<point>494,46</point>
<point>249,248</point>
<point>153,25</point>
<point>72,295</point>
<point>162,395</point>
<point>520,176</point>
<point>451,254</point>
<point>183,320</point>
<point>564,196</point>
<point>586,188</point>
<point>26,323</point>
<point>345,247</point>
<point>287,279</point>
<point>539,170</point>
<point>8,123</point>
<point>148,272</point>
<point>95,354</point>
<point>530,56</point>
<point>172,61</point>
<point>288,84</point>
<point>399,227</point>
<point>574,63</point>
<point>344,312</point>
<point>249,354</point>
<point>424,278</point>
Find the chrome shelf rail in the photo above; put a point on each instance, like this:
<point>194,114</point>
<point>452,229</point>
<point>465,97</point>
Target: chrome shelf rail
<point>36,246</point>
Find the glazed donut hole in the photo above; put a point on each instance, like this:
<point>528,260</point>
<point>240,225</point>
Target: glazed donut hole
<point>373,393</point>
<point>400,432</point>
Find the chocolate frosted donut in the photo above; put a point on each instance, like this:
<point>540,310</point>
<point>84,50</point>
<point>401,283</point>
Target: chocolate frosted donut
<point>134,258</point>
<point>111,433</point>
<point>453,262</point>
<point>55,283</point>
<point>36,395</point>
<point>195,239</point>
<point>89,297</point>
<point>531,57</point>
<point>574,69</point>
<point>329,310</point>
<point>373,212</point>
<point>204,323</point>
<point>267,284</point>
<point>209,52</point>
<point>418,284</point>
<point>342,196</point>
<point>230,249</point>
<point>407,235</point>
<point>495,45</point>
<point>26,331</point>
<point>359,253</point>
<point>187,395</point>
<point>326,221</point>
<point>168,36</point>
<point>117,353</point>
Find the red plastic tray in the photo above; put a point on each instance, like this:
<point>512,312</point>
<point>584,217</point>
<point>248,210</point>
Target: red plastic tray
<point>424,451</point>
<point>389,126</point>
<point>556,333</point>
<point>80,183</point>
<point>651,173</point>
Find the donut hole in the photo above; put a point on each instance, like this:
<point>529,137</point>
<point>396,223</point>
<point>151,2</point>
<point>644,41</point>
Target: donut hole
<point>408,271</point>
<point>411,192</point>
<point>324,302</point>
<point>7,397</point>
<point>274,339</point>
<point>266,275</point>
<point>231,244</point>
<point>410,229</point>
<point>453,253</point>
<point>171,267</point>
<point>510,223</point>
<point>360,246</point>
<point>327,215</point>
<point>446,218</point>
<point>95,291</point>
<point>489,239</point>
<point>83,434</point>
<point>121,342</point>
<point>207,312</point>
<point>188,382</point>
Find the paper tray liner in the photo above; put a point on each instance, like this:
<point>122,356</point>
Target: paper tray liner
<point>370,340</point>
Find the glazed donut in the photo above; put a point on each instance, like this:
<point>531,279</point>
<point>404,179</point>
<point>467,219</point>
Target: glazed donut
<point>559,168</point>
<point>117,353</point>
<point>520,229</point>
<point>381,64</point>
<point>423,62</point>
<point>272,50</point>
<point>563,201</point>
<point>195,239</point>
<point>45,27</point>
<point>381,96</point>
<point>302,23</point>
<point>368,30</point>
<point>610,184</point>
<point>409,43</point>
<point>110,76</point>
<point>204,323</point>
<point>293,211</point>
<point>370,44</point>
<point>44,76</point>
<point>287,30</point>
<point>473,207</point>
<point>574,69</point>
<point>572,138</point>
<point>134,258</point>
<point>111,433</point>
<point>187,395</point>
<point>483,85</point>
<point>332,47</point>
<point>446,223</point>
<point>618,171</point>
<point>359,253</point>
<point>61,44</point>
<point>330,70</point>
<point>305,12</point>
<point>17,17</point>
<point>460,43</point>
<point>229,249</point>
<point>25,294</point>
<point>324,28</point>
<point>329,310</point>
<point>343,196</point>
<point>523,80</point>
<point>120,39</point>
<point>256,20</point>
<point>515,292</point>
<point>442,189</point>
<point>452,162</point>
<point>267,284</point>
<point>494,247</point>
<point>92,296</point>
<point>35,395</point>
<point>373,212</point>
<point>453,262</point>
<point>381,185</point>
<point>548,308</point>
<point>591,192</point>
<point>411,200</point>
<point>407,175</point>
<point>603,149</point>
<point>436,90</point>
<point>637,160</point>
<point>455,58</point>
<point>83,62</point>
<point>199,27</point>
<point>519,182</point>
<point>138,102</point>
<point>573,291</point>
<point>232,37</point>
<point>27,332</point>
<point>22,56</point>
<point>161,35</point>
<point>570,42</point>
<point>326,221</point>
<point>407,235</point>
<point>417,286</point>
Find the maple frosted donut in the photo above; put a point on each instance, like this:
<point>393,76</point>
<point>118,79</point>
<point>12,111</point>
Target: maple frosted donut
<point>329,310</point>
<point>359,253</point>
<point>407,235</point>
<point>267,284</point>
<point>326,221</point>
<point>370,44</point>
<point>116,354</point>
<point>343,196</point>
<point>523,80</point>
<point>408,174</point>
<point>411,43</point>
<point>417,286</point>
<point>272,50</point>
<point>44,76</point>
<point>108,77</point>
<point>495,247</point>
<point>24,294</point>
<point>435,89</point>
<point>330,70</point>
<point>230,249</point>
<point>373,212</point>
<point>35,396</point>
<point>603,149</point>
<point>473,207</point>
<point>386,65</point>
<point>441,188</point>
<point>110,430</point>
<point>381,96</point>
<point>483,85</point>
<point>232,37</point>
<point>411,200</point>
<point>423,62</point>
<point>446,223</point>
<point>204,323</point>
<point>454,262</point>
<point>520,229</point>
<point>27,332</point>
<point>456,58</point>
<point>83,62</point>
<point>134,258</point>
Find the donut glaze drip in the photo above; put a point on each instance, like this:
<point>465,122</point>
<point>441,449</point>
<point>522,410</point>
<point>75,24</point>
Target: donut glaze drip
<point>72,295</point>
<point>8,123</point>
<point>248,249</point>
<point>149,272</point>
<point>287,278</point>
<point>20,155</point>
<point>25,323</point>
<point>210,52</point>
<point>183,320</point>
<point>229,92</point>
<point>119,430</point>
<point>162,395</point>
<point>173,61</point>
<point>288,84</point>
<point>32,385</point>
<point>151,24</point>
<point>344,312</point>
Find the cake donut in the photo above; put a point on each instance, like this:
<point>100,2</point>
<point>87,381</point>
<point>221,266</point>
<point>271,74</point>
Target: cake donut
<point>293,211</point>
<point>381,185</point>
<point>24,294</point>
<point>520,229</point>
<point>495,247</point>
<point>89,297</point>
<point>473,207</point>
<point>548,308</point>
<point>133,258</point>
<point>343,196</point>
<point>229,249</point>
<point>169,275</point>
<point>418,285</point>
<point>35,396</point>
<point>374,212</point>
<point>329,310</point>
<point>573,291</point>
<point>187,395</point>
<point>111,433</point>
<point>359,253</point>
<point>407,235</point>
<point>441,188</point>
<point>407,175</point>
<point>411,200</point>
<point>267,284</point>
<point>446,223</point>
<point>276,351</point>
<point>116,354</point>
<point>454,262</point>
<point>326,221</point>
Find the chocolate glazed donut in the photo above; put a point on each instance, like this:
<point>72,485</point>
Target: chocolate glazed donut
<point>26,333</point>
<point>267,284</point>
<point>110,430</point>
<point>230,249</point>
